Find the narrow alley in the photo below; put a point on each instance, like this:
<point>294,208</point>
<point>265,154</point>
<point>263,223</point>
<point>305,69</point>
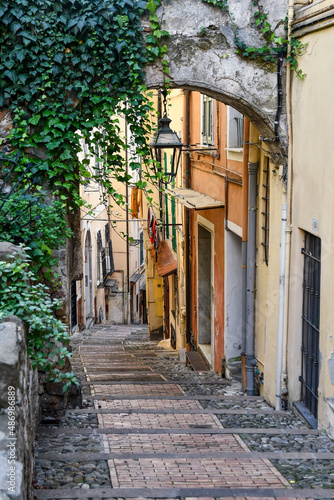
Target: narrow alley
<point>153,428</point>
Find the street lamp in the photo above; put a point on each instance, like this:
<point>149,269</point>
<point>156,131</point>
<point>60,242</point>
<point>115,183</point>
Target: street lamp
<point>166,139</point>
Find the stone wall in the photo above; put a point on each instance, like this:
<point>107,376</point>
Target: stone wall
<point>18,412</point>
<point>201,56</point>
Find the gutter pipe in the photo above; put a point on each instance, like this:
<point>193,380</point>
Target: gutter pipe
<point>244,249</point>
<point>251,261</point>
<point>282,333</point>
<point>250,292</point>
<point>186,184</point>
<point>280,327</point>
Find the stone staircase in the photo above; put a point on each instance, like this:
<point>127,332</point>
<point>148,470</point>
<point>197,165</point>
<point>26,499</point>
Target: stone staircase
<point>153,428</point>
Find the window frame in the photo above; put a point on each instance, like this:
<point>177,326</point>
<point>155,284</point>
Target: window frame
<point>207,120</point>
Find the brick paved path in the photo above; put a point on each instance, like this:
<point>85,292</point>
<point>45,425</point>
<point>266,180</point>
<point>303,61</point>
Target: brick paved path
<point>142,436</point>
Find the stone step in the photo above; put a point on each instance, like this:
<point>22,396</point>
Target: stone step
<point>251,455</point>
<point>163,382</point>
<point>180,398</point>
<point>199,430</point>
<point>172,411</point>
<point>184,493</point>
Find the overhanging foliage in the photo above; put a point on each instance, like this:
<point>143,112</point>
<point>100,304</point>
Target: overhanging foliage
<point>67,68</point>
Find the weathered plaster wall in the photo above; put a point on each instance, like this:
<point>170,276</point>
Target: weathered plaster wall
<point>313,208</point>
<point>195,62</point>
<point>267,280</point>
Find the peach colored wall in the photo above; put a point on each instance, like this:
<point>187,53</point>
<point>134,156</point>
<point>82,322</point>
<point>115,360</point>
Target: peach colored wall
<point>216,217</point>
<point>235,203</point>
<point>208,176</point>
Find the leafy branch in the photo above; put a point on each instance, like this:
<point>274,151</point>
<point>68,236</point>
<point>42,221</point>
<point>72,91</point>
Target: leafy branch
<point>23,296</point>
<point>274,45</point>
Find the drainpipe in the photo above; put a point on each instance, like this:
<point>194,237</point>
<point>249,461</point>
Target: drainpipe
<point>280,328</point>
<point>186,183</point>
<point>251,260</point>
<point>281,374</point>
<point>244,249</point>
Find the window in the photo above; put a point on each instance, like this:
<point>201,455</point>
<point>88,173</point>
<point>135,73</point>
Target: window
<point>265,210</point>
<point>309,377</point>
<point>141,248</point>
<point>207,120</point>
<point>105,260</point>
<point>235,129</point>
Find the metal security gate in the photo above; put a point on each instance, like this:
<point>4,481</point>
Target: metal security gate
<point>310,320</point>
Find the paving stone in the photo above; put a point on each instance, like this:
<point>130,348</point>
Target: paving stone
<point>125,353</point>
<point>149,404</point>
<point>194,473</point>
<point>176,443</point>
<point>173,421</point>
<point>138,390</point>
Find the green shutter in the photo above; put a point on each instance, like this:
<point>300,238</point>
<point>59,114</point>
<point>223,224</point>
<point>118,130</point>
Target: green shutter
<point>174,226</point>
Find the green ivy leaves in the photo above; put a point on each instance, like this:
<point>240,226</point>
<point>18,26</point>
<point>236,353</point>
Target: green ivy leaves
<point>22,296</point>
<point>67,68</point>
<point>274,44</point>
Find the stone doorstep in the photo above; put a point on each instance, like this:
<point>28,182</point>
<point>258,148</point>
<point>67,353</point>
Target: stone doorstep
<point>187,493</point>
<point>228,455</point>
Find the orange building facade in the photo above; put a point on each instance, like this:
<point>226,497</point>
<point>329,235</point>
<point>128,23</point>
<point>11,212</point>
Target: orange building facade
<point>200,213</point>
<point>215,170</point>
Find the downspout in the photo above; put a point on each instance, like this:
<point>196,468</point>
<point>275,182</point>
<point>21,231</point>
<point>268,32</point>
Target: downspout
<point>251,261</point>
<point>244,249</point>
<point>281,372</point>
<point>186,184</point>
<point>280,327</point>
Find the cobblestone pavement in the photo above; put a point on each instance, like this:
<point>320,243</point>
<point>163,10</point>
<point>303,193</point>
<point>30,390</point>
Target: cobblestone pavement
<point>153,428</point>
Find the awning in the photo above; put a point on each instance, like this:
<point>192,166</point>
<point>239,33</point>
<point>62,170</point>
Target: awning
<point>135,277</point>
<point>164,261</point>
<point>193,199</point>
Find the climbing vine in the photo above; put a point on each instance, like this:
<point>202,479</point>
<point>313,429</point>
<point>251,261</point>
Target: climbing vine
<point>274,45</point>
<point>68,70</point>
<point>22,295</point>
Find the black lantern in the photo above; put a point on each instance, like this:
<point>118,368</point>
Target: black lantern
<point>166,139</point>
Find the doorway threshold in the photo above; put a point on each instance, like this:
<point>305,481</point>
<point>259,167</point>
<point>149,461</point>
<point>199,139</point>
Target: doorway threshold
<point>205,350</point>
<point>306,414</point>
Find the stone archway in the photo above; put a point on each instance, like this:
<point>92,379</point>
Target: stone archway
<point>201,56</point>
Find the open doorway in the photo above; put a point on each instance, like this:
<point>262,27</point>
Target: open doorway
<point>204,296</point>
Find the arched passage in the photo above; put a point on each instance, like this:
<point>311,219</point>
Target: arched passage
<point>201,56</point>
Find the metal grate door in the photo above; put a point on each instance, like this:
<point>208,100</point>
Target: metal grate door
<point>310,323</point>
